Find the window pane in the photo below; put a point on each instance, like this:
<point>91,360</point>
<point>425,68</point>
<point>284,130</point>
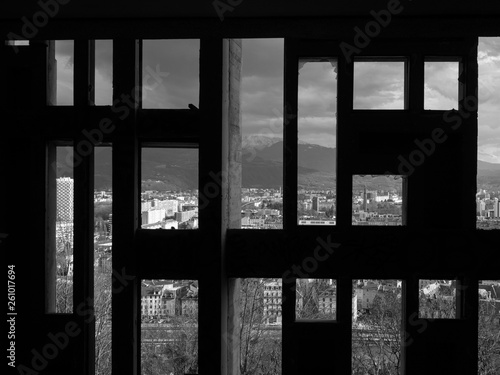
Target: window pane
<point>262,133</point>
<point>64,230</point>
<point>489,327</point>
<point>260,318</point>
<point>103,203</point>
<point>379,85</point>
<point>441,85</point>
<point>170,73</point>
<point>316,299</point>
<point>438,299</point>
<point>169,327</point>
<point>65,60</point>
<point>376,327</point>
<point>317,134</point>
<point>103,72</point>
<point>169,188</point>
<point>377,200</point>
<point>488,163</point>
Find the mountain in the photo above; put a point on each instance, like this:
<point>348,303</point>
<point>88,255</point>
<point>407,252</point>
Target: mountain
<point>257,142</point>
<point>485,167</point>
<point>262,162</point>
<point>310,156</point>
<point>488,175</point>
<point>263,166</point>
<point>384,183</point>
<point>169,169</point>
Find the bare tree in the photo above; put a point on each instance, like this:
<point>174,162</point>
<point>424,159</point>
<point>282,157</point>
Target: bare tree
<point>260,343</point>
<point>489,338</point>
<point>64,264</point>
<point>316,299</point>
<point>376,337</point>
<point>169,343</point>
<point>102,309</point>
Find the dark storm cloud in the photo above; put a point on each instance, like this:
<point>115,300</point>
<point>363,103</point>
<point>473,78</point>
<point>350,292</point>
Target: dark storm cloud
<point>489,99</point>
<point>104,59</point>
<point>262,87</point>
<point>263,58</point>
<point>378,85</point>
<point>180,60</point>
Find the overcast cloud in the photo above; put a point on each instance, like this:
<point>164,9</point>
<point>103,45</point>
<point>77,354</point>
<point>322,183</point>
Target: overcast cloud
<point>377,86</point>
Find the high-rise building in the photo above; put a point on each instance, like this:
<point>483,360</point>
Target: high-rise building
<point>65,188</point>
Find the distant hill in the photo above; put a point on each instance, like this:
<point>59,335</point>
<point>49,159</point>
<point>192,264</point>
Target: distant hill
<point>262,159</point>
<point>169,169</point>
<point>488,175</point>
<point>385,183</point>
<point>264,167</point>
<point>258,142</point>
<point>310,156</point>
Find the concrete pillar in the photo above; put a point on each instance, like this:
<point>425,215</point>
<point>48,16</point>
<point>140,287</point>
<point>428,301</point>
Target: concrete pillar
<point>233,133</point>
<point>220,197</point>
<point>232,190</point>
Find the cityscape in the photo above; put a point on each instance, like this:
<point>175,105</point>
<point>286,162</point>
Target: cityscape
<point>169,321</point>
<point>169,308</point>
<point>375,314</point>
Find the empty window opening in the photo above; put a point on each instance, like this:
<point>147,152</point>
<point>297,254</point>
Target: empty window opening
<point>169,188</point>
<point>489,327</point>
<point>316,299</point>
<point>441,85</point>
<point>488,153</point>
<point>103,236</point>
<point>378,200</point>
<point>169,327</point>
<point>317,142</point>
<point>376,327</point>
<point>64,51</point>
<point>103,72</point>
<point>262,133</point>
<point>170,73</point>
<point>379,85</point>
<point>437,299</point>
<point>259,336</point>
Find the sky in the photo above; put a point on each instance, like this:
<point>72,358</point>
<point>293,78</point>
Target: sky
<point>170,73</point>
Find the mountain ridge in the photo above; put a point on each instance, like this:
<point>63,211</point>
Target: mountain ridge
<point>262,166</point>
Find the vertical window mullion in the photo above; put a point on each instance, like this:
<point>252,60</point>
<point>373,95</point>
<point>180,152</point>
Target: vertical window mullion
<point>83,249</point>
<point>345,84</point>
<point>290,136</point>
<point>126,95</point>
<point>83,169</point>
<point>50,237</point>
